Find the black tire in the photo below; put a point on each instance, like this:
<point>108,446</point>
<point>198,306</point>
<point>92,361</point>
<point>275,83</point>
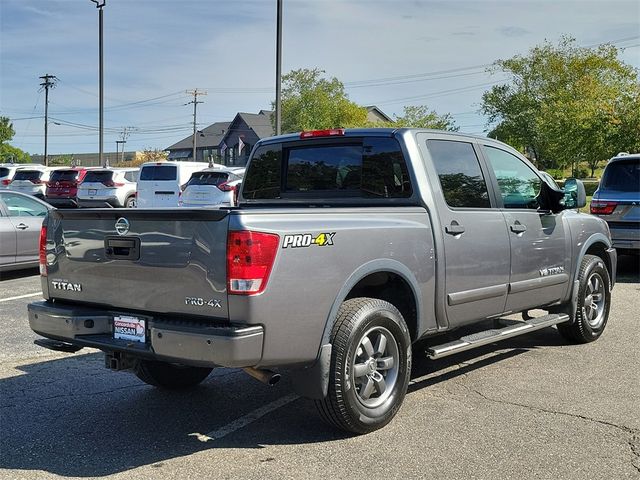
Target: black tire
<point>365,402</point>
<point>130,202</point>
<point>170,376</point>
<point>594,300</point>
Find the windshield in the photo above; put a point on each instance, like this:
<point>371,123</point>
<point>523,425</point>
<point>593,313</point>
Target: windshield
<point>622,176</point>
<point>158,172</point>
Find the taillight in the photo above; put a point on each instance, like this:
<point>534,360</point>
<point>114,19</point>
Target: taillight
<point>250,256</point>
<point>331,132</point>
<point>43,251</point>
<point>602,208</point>
<point>225,187</point>
<point>111,183</point>
<point>6,182</point>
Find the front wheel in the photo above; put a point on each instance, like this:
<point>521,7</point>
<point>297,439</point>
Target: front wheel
<point>168,375</point>
<point>370,366</point>
<point>594,299</point>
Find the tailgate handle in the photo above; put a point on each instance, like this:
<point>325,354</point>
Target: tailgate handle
<point>122,248</point>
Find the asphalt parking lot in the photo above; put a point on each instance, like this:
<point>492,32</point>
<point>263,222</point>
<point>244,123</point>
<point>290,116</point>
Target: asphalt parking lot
<point>530,407</point>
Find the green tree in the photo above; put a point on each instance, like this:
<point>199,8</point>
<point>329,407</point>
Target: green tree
<point>419,116</point>
<point>311,102</point>
<point>9,153</point>
<point>6,130</point>
<point>566,104</point>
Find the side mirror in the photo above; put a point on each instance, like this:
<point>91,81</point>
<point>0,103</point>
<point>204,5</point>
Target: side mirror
<point>574,194</point>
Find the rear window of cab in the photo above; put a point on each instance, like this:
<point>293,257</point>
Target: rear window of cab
<point>369,167</point>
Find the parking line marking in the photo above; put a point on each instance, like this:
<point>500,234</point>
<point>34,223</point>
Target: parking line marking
<point>245,420</point>
<point>20,296</point>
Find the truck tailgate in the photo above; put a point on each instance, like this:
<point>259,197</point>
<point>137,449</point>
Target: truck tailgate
<point>169,261</point>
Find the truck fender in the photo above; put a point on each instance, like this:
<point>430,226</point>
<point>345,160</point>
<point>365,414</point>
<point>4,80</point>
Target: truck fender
<point>313,381</point>
<point>595,238</point>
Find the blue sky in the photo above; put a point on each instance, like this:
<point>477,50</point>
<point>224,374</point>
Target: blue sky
<point>387,53</point>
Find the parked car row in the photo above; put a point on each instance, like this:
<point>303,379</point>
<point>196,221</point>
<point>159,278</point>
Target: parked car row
<point>154,185</point>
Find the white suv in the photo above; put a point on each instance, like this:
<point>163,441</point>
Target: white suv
<point>213,187</point>
<point>109,187</point>
<point>8,170</point>
<point>32,180</point>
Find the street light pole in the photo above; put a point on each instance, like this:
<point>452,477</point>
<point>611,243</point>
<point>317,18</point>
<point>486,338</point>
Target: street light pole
<point>99,5</point>
<point>278,67</point>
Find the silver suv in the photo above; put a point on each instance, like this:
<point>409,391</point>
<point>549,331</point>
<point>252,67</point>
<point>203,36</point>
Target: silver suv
<point>109,187</point>
<point>8,170</point>
<point>617,200</point>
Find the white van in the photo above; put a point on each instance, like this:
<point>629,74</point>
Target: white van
<point>159,183</point>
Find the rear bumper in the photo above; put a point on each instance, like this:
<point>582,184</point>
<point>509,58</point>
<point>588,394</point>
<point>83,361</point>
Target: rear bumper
<point>95,203</point>
<point>61,202</point>
<point>168,340</point>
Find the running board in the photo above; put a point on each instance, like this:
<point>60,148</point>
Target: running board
<point>57,345</point>
<point>495,335</point>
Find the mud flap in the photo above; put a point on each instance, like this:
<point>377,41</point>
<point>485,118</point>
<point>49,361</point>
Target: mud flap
<point>313,382</point>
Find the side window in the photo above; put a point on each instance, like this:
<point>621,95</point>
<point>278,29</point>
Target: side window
<point>18,206</point>
<point>460,175</point>
<point>519,185</point>
<point>263,177</point>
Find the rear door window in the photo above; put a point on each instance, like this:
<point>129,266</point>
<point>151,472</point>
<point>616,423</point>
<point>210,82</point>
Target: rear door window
<point>461,179</point>
<point>371,167</point>
<point>208,178</point>
<point>622,176</point>
<point>98,176</point>
<point>64,176</point>
<point>27,175</point>
<point>159,172</point>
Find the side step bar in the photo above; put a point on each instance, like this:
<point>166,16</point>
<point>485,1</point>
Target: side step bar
<point>57,345</point>
<point>495,335</point>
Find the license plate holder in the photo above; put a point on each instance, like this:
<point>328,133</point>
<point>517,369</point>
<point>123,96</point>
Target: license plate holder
<point>129,328</point>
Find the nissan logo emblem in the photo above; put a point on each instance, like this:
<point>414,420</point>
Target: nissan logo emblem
<point>122,226</point>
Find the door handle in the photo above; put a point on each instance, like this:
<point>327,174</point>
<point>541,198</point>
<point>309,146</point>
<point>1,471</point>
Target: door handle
<point>518,228</point>
<point>454,228</point>
<point>22,226</point>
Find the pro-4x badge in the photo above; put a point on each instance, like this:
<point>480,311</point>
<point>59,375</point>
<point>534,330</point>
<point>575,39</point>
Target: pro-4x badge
<point>306,240</point>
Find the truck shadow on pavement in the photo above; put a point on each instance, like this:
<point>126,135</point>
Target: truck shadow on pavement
<point>628,269</point>
<point>72,417</point>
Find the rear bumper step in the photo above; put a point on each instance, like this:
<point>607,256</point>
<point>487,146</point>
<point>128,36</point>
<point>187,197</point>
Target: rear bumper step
<point>495,335</point>
<point>228,345</point>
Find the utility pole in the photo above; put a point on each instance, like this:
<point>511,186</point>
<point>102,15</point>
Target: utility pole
<point>279,67</point>
<point>100,5</point>
<point>48,81</point>
<point>126,131</point>
<point>195,102</point>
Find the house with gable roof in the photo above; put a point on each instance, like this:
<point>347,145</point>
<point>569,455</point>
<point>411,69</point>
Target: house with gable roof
<point>230,143</point>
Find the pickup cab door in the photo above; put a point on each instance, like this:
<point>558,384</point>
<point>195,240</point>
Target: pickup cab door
<point>538,239</point>
<point>473,234</point>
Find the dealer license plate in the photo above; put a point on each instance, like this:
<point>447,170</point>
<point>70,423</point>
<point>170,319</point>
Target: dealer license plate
<point>129,328</point>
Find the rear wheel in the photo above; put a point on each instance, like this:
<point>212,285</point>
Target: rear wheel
<point>130,202</point>
<point>370,366</point>
<point>170,376</point>
<point>594,298</point>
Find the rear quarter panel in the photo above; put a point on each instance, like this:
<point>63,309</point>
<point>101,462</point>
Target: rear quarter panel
<point>306,284</point>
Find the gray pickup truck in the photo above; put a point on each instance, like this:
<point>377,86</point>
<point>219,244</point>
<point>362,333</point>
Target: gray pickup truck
<point>346,249</point>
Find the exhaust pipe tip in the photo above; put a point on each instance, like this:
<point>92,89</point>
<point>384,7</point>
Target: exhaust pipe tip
<point>265,376</point>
